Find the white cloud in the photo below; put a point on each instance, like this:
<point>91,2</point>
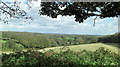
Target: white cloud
<point>64,25</point>
<point>50,26</point>
<point>61,24</point>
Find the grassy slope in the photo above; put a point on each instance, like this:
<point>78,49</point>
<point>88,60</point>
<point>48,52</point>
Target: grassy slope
<point>90,47</point>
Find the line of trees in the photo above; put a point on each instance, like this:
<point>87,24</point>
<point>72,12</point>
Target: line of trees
<point>110,38</point>
<point>38,40</point>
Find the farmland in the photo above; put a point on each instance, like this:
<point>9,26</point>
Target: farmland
<point>89,47</point>
<point>23,48</point>
<point>99,57</point>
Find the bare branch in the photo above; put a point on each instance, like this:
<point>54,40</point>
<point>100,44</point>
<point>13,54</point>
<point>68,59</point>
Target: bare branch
<point>6,12</point>
<point>94,21</point>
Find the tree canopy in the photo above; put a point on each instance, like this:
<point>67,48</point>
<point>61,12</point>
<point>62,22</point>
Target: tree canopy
<point>81,10</point>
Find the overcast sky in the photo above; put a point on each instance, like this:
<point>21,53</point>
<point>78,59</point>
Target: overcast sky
<point>64,25</point>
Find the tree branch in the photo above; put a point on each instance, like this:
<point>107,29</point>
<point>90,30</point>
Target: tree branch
<point>94,21</point>
<point>6,12</point>
<point>7,6</point>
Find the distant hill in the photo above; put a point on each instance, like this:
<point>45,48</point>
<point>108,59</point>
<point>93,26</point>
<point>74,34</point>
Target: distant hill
<point>115,38</point>
<point>11,40</point>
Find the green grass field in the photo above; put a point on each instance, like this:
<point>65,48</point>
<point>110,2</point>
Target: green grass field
<point>4,41</point>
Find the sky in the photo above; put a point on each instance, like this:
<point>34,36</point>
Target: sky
<point>61,25</point>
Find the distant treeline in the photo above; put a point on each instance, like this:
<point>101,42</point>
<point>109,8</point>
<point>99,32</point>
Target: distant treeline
<point>115,38</point>
<point>39,40</point>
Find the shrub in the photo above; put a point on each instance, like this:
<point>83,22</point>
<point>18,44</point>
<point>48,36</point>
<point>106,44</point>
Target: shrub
<point>101,57</point>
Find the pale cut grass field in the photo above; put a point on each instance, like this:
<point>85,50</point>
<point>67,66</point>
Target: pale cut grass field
<point>90,47</point>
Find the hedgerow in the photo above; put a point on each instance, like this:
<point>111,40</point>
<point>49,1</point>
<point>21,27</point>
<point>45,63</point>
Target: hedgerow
<point>100,57</point>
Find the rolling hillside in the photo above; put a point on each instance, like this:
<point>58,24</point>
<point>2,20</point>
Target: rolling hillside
<point>89,47</point>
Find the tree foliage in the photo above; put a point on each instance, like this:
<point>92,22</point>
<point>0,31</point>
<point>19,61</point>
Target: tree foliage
<point>100,57</point>
<point>110,38</point>
<point>10,10</point>
<point>38,40</point>
<point>80,10</point>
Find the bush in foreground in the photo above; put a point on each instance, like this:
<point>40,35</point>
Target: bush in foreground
<point>68,58</point>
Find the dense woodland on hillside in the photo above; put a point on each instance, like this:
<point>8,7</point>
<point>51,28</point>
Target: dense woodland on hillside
<point>23,40</point>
